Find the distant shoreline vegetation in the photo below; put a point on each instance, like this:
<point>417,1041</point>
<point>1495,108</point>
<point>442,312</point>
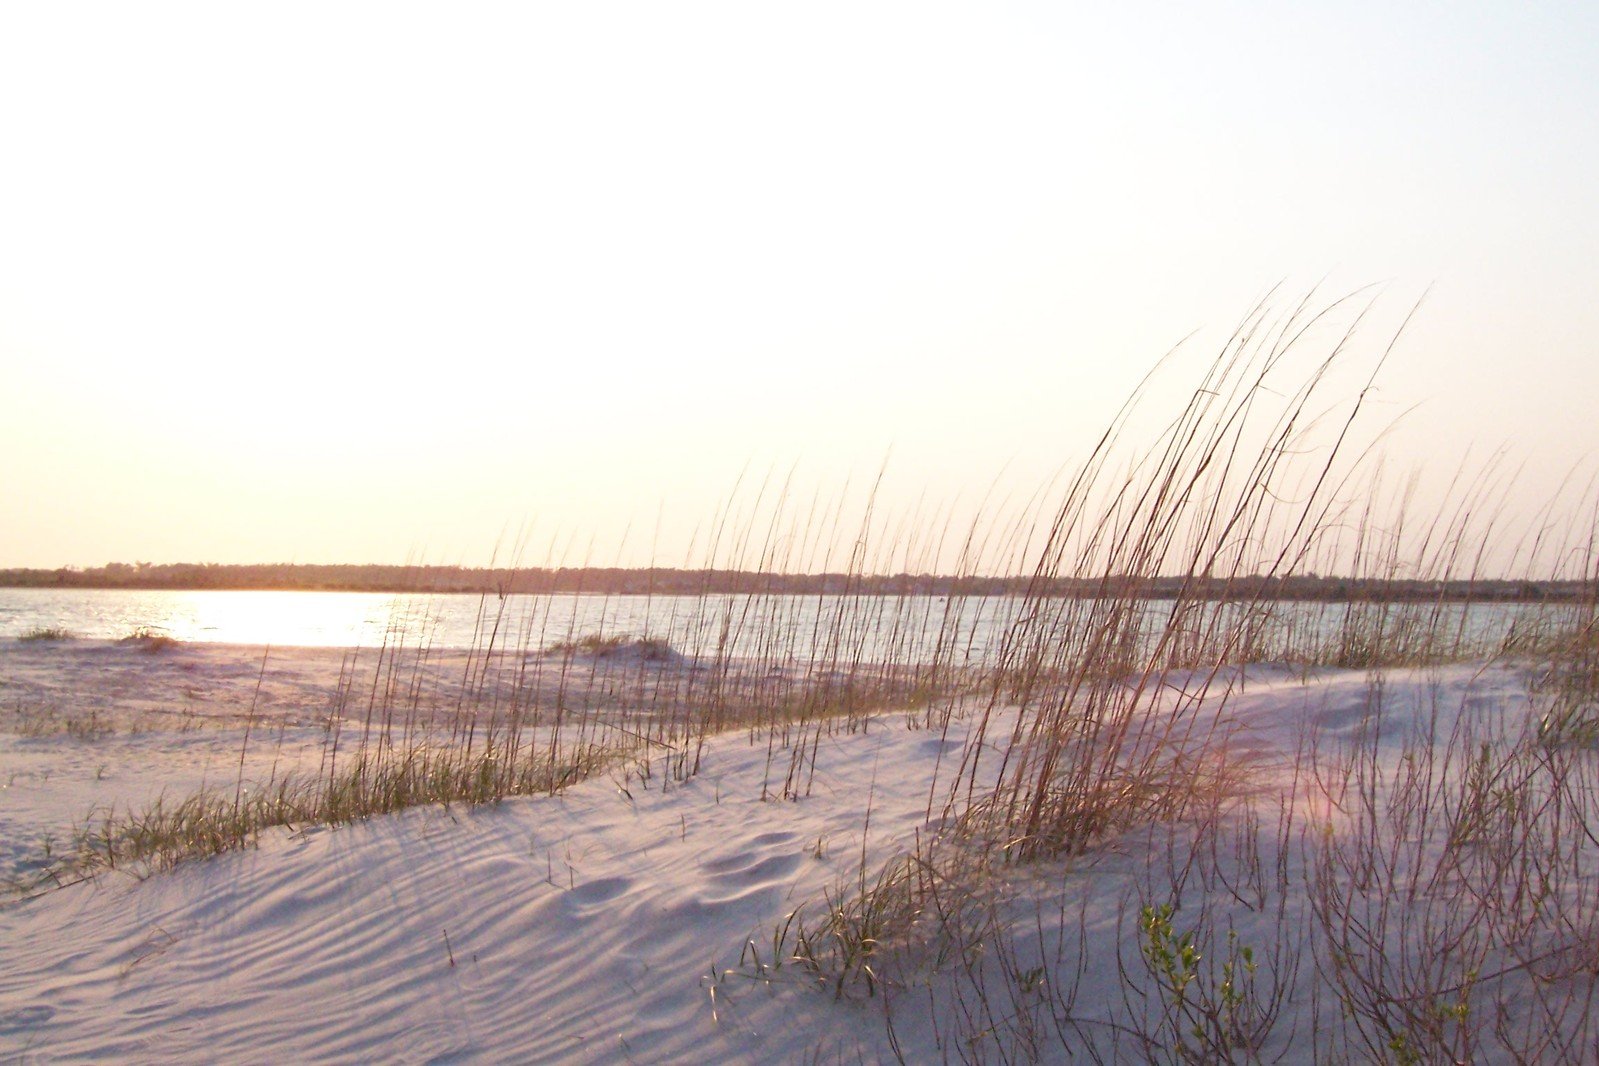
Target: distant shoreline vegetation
<point>620,581</point>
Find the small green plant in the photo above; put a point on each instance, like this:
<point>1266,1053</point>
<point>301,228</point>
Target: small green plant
<point>1486,801</point>
<point>1213,1012</point>
<point>1171,956</point>
<point>1407,1047</point>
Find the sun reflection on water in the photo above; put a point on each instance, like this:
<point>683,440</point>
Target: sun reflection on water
<point>285,619</point>
<point>308,619</point>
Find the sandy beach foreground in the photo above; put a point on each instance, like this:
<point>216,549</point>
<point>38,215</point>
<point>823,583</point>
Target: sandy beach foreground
<point>634,917</point>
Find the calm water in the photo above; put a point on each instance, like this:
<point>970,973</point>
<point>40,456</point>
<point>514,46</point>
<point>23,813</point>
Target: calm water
<point>903,628</point>
<point>302,619</point>
<point>361,619</point>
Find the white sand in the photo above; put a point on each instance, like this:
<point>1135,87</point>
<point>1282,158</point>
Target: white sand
<point>606,924</point>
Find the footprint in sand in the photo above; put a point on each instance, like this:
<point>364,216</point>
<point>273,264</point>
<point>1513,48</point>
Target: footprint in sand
<point>598,891</point>
<point>741,860</point>
<point>747,870</point>
<point>26,1018</point>
<point>740,876</point>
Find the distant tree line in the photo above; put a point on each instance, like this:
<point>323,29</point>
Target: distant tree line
<point>667,581</point>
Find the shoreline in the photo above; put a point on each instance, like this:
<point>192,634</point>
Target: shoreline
<point>664,582</point>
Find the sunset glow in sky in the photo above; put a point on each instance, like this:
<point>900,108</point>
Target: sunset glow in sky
<point>369,282</point>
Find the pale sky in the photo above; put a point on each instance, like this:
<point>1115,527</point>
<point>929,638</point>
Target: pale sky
<point>333,282</point>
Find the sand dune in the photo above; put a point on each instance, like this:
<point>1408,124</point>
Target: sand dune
<point>624,921</point>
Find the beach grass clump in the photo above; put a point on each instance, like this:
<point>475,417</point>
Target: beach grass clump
<point>152,640</point>
<point>872,931</point>
<point>167,832</point>
<point>49,720</point>
<point>859,923</point>
<point>1099,741</point>
<point>46,634</point>
<point>615,645</point>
